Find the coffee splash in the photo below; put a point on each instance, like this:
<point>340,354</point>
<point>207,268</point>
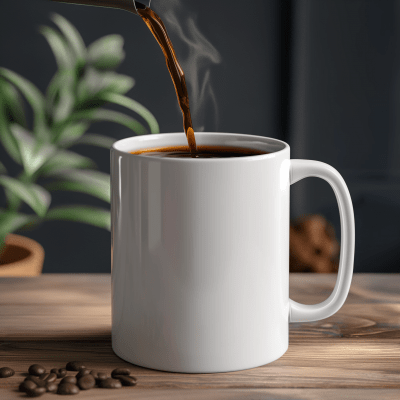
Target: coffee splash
<point>157,28</point>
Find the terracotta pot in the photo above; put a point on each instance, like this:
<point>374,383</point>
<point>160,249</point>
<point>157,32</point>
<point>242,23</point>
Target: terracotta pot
<point>22,257</point>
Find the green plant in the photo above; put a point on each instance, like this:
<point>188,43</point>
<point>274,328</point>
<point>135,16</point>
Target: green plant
<point>84,82</point>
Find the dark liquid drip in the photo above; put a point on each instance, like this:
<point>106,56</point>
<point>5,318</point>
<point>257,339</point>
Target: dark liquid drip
<point>157,28</point>
<point>202,152</point>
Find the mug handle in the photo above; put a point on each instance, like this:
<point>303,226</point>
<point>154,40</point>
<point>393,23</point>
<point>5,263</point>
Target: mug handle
<point>298,312</point>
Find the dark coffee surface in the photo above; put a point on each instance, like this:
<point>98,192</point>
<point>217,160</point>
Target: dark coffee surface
<point>202,152</point>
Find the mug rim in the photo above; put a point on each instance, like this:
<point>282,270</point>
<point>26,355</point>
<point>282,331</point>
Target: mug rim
<point>116,146</point>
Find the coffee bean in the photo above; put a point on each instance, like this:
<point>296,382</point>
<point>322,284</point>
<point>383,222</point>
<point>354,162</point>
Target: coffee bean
<point>69,379</point>
<point>99,376</point>
<point>87,382</point>
<point>6,372</point>
<point>126,380</point>
<point>120,371</point>
<point>57,371</point>
<point>25,385</point>
<point>82,372</point>
<point>94,373</point>
<point>36,369</point>
<point>61,373</point>
<point>67,388</point>
<point>39,382</point>
<point>75,366</point>
<point>51,387</point>
<point>110,383</point>
<point>102,375</point>
<point>50,377</point>
<point>36,392</point>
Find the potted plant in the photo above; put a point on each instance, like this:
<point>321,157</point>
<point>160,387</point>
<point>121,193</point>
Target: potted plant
<point>84,82</point>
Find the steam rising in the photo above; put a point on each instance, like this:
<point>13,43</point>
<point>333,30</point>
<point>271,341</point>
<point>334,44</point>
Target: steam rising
<point>197,61</point>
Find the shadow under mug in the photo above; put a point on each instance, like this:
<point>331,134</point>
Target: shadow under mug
<point>200,254</point>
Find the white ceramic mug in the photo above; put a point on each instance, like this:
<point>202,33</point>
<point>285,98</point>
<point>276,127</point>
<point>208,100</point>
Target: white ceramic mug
<point>200,254</point>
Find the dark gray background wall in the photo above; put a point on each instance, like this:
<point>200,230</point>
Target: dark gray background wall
<point>344,111</point>
<point>320,74</point>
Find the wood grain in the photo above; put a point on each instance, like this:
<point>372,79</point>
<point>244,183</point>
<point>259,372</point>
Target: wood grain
<point>53,319</point>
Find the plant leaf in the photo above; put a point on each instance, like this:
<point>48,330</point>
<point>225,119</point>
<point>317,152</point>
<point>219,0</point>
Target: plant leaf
<point>63,161</point>
<point>34,153</point>
<point>95,82</point>
<point>71,133</point>
<point>70,53</point>
<point>134,106</point>
<point>89,215</point>
<point>6,137</point>
<point>103,114</point>
<point>60,97</point>
<point>34,195</point>
<point>52,92</point>
<point>106,52</point>
<point>35,99</point>
<point>12,221</point>
<point>96,140</point>
<point>3,169</point>
<point>72,36</point>
<point>13,103</point>
<point>66,99</point>
<point>117,83</point>
<point>13,201</point>
<point>91,182</point>
<point>62,53</point>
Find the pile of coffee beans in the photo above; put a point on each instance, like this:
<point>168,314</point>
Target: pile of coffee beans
<point>38,381</point>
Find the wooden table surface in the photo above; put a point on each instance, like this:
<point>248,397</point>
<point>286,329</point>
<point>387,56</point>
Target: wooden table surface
<point>355,354</point>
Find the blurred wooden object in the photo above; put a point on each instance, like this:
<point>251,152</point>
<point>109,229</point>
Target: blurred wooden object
<point>313,245</point>
<point>22,256</point>
<point>354,354</point>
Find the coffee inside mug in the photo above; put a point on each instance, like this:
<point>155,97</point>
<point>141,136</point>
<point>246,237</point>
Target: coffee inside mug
<point>201,152</point>
<point>210,145</point>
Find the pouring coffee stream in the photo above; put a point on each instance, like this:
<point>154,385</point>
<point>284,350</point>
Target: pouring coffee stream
<point>157,28</point>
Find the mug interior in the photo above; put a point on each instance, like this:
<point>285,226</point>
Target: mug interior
<point>261,143</point>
